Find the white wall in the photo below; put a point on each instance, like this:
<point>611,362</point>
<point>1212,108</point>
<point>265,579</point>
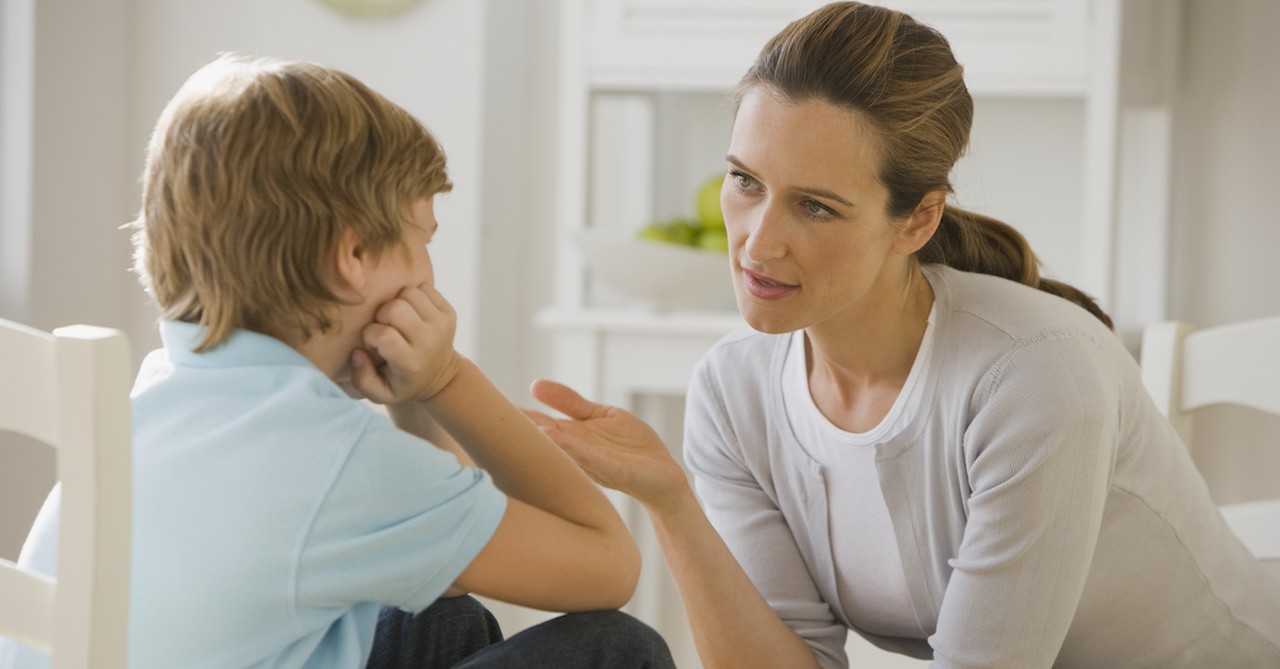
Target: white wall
<point>518,182</point>
<point>1225,224</point>
<point>428,59</point>
<point>66,189</point>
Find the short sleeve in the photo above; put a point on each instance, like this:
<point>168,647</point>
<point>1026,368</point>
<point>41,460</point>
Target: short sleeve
<point>400,522</point>
<point>752,525</point>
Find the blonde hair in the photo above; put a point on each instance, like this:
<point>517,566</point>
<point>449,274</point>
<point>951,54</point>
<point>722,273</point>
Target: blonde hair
<point>254,171</point>
<point>902,77</point>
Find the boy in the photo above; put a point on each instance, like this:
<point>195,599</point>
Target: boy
<point>285,219</point>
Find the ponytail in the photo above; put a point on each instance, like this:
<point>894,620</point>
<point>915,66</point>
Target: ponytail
<point>975,243</point>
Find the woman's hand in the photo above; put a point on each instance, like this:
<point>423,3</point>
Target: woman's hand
<point>614,447</point>
<point>408,350</point>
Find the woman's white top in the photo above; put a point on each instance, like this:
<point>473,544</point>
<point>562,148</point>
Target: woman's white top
<point>868,565</point>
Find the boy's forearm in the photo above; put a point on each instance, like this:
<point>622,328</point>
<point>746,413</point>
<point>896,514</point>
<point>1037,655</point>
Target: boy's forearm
<point>413,417</point>
<point>523,462</point>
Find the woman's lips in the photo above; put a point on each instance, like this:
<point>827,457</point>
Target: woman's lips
<point>765,288</point>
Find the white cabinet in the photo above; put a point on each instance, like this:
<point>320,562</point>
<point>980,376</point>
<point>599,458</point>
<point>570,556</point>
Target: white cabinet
<point>1070,137</point>
<point>1070,145</point>
<point>1018,46</point>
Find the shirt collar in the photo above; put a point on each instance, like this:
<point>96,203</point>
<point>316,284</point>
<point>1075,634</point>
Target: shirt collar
<point>240,349</point>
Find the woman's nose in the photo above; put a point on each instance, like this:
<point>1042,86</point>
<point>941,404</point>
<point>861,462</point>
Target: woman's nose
<point>765,239</point>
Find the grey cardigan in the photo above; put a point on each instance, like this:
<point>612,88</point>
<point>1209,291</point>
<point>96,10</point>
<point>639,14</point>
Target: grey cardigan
<point>1046,513</point>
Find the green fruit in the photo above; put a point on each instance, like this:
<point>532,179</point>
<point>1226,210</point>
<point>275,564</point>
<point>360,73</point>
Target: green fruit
<point>714,239</point>
<point>708,203</point>
<point>681,231</point>
<point>654,232</point>
<point>676,231</point>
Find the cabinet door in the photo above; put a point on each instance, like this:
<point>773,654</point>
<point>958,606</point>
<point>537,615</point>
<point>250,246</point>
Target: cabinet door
<point>1006,46</point>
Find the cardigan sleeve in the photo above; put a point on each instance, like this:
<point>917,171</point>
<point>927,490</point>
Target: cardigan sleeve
<point>1039,453</point>
<point>748,519</point>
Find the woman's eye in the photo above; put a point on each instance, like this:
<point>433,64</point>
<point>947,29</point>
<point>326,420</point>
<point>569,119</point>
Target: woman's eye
<point>815,210</point>
<point>742,181</point>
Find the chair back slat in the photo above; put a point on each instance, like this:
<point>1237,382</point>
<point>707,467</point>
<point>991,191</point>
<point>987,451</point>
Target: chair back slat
<point>27,615</point>
<point>1186,369</point>
<point>27,390</point>
<point>1235,364</point>
<point>70,389</point>
<point>94,467</point>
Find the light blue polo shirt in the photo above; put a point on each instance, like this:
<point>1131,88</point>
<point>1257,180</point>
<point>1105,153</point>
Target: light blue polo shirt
<point>274,516</point>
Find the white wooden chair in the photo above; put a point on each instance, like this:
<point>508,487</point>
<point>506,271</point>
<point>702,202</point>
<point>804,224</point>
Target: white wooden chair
<point>70,390</point>
<point>1186,368</point>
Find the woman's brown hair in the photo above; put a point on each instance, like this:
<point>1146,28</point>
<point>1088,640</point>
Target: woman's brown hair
<point>902,77</point>
<point>254,171</point>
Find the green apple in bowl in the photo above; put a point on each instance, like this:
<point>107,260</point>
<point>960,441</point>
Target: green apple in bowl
<point>683,232</point>
<point>714,239</point>
<point>708,203</point>
<point>654,232</point>
<point>679,231</point>
<point>662,276</point>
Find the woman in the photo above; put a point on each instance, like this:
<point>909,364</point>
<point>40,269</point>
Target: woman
<point>922,440</point>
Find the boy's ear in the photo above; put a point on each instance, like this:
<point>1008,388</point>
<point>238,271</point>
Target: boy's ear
<point>352,265</point>
<point>922,222</point>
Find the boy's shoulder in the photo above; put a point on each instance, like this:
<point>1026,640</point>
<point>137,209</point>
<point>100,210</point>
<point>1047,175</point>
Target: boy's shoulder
<point>252,394</point>
<point>245,362</point>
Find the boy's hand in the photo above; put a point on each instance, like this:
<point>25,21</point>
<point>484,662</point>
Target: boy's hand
<point>409,344</point>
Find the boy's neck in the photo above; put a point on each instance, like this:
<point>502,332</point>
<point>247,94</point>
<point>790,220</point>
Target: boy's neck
<point>330,352</point>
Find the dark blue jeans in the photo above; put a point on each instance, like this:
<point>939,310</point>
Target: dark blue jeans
<point>460,633</point>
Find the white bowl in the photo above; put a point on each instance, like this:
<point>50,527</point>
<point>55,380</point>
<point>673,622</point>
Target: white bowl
<point>663,276</point>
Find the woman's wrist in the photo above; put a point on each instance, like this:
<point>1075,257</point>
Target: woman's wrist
<point>671,502</point>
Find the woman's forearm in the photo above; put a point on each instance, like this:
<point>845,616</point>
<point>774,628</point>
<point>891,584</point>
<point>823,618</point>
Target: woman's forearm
<point>732,624</point>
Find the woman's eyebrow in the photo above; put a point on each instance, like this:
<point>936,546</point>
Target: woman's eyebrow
<point>820,192</point>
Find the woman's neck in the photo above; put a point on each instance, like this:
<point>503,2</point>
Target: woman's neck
<point>857,364</point>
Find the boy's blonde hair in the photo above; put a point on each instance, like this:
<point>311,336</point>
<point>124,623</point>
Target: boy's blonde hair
<point>254,171</point>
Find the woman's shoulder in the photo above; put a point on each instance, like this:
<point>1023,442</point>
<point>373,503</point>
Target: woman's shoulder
<point>743,344</point>
<point>988,324</point>
<point>744,352</point>
<point>739,373</point>
<point>994,311</point>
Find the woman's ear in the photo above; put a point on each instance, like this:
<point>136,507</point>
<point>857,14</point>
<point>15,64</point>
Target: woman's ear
<point>351,263</point>
<point>922,222</point>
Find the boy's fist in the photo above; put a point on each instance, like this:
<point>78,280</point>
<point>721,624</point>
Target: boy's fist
<point>409,344</point>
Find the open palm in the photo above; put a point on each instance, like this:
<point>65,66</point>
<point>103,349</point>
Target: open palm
<point>614,447</point>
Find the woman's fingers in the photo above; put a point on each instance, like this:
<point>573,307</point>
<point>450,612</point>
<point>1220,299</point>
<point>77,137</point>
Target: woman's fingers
<point>595,459</point>
<point>551,427</point>
<point>567,401</point>
<point>615,448</point>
